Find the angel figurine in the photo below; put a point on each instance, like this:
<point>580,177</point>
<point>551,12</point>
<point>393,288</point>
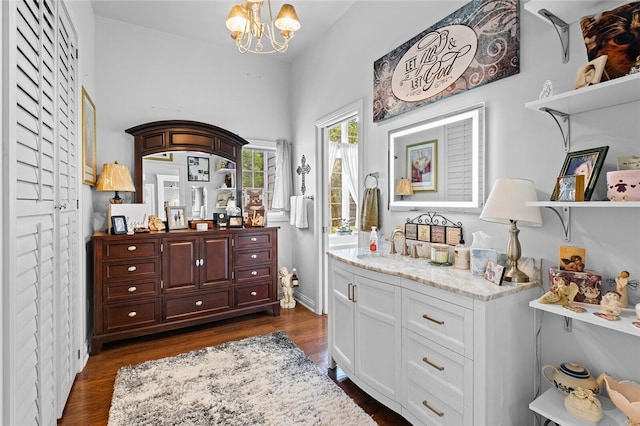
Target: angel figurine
<point>622,281</point>
<point>561,292</point>
<point>287,301</point>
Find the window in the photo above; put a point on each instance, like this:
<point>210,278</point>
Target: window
<point>259,169</point>
<point>342,206</point>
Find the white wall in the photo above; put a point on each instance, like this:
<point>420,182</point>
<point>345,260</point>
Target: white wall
<point>520,143</point>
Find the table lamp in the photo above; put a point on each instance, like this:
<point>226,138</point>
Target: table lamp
<point>115,177</point>
<point>404,188</point>
<point>507,204</point>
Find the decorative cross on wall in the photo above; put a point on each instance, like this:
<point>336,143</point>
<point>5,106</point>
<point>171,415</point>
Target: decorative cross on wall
<point>303,169</point>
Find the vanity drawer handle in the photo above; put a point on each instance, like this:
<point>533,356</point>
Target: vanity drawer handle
<point>254,272</point>
<point>199,303</point>
<point>132,289</point>
<point>132,314</point>
<point>132,248</point>
<point>254,239</point>
<point>426,404</point>
<point>254,256</point>
<point>427,317</point>
<point>254,293</point>
<point>436,366</point>
<point>131,268</point>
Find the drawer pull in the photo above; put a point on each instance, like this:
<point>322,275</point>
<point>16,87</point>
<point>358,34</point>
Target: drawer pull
<point>132,314</point>
<point>427,317</point>
<point>439,413</point>
<point>254,256</point>
<point>132,289</point>
<point>254,293</point>
<point>199,303</point>
<point>254,272</point>
<point>131,268</point>
<point>436,366</point>
<point>132,248</point>
<point>254,239</point>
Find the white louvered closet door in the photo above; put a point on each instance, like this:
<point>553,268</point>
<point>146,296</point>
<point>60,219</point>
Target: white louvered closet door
<point>42,183</point>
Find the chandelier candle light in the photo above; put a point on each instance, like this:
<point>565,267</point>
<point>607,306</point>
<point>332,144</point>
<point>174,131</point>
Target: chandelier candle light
<point>246,26</point>
<point>507,203</point>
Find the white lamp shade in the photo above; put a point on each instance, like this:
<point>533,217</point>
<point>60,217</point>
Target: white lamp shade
<point>237,20</point>
<point>507,202</point>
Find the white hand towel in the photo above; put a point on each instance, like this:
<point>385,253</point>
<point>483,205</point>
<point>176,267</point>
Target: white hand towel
<point>301,213</point>
<point>292,213</point>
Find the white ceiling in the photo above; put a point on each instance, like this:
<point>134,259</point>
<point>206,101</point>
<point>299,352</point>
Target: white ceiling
<point>205,19</point>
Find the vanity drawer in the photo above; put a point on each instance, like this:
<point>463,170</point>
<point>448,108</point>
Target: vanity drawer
<point>252,257</point>
<point>127,249</point>
<point>252,239</point>
<point>198,304</point>
<point>252,294</point>
<point>259,272</point>
<point>131,289</point>
<point>119,317</point>
<point>431,409</point>
<point>131,269</point>
<point>443,322</point>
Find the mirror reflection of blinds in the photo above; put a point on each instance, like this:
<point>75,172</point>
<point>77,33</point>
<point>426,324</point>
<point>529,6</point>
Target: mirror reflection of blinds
<point>458,174</point>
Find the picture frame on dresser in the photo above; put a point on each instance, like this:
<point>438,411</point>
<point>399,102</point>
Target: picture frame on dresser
<point>118,225</point>
<point>176,217</point>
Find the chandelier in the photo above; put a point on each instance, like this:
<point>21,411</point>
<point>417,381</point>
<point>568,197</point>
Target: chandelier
<point>247,29</point>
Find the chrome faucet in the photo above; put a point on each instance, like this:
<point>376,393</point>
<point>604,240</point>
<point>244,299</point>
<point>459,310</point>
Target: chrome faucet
<point>393,242</point>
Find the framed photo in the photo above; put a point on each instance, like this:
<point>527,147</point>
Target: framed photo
<point>177,217</point>
<point>197,169</point>
<point>572,258</point>
<point>235,222</point>
<point>438,234</point>
<point>424,233</point>
<point>422,165</point>
<point>453,235</point>
<point>118,225</point>
<point>253,199</point>
<point>494,272</point>
<point>570,188</point>
<point>587,162</point>
<point>161,156</point>
<point>254,218</point>
<point>89,163</point>
<point>591,73</point>
<point>411,231</point>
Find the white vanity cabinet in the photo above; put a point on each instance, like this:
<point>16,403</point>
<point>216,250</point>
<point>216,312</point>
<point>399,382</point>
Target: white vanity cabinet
<point>364,324</point>
<point>460,348</point>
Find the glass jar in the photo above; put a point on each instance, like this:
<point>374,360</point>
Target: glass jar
<point>440,254</point>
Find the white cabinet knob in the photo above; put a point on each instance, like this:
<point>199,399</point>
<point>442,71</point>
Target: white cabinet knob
<point>253,293</point>
<point>254,272</point>
<point>199,303</point>
<point>132,248</point>
<point>131,268</point>
<point>132,289</point>
<point>132,314</point>
<point>254,256</point>
<point>254,239</point>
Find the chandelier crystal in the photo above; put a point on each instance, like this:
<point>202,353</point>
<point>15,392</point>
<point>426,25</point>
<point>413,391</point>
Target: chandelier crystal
<point>247,29</point>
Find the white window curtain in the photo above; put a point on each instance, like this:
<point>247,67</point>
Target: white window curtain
<point>332,154</point>
<point>350,168</point>
<point>283,185</point>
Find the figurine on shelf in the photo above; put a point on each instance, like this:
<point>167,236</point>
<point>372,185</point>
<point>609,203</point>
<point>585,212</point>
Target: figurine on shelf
<point>610,305</point>
<point>584,405</point>
<point>622,281</point>
<point>561,292</point>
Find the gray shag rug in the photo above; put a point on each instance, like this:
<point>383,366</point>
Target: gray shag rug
<point>262,380</point>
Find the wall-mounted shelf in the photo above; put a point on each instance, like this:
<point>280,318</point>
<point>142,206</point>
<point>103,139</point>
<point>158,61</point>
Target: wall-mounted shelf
<point>550,405</point>
<point>602,95</point>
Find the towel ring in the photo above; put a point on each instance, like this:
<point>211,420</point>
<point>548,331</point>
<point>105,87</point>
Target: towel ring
<point>373,175</point>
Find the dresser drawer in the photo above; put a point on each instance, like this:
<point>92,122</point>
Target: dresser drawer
<point>131,269</point>
<point>445,323</point>
<point>132,315</point>
<point>259,272</point>
<point>254,238</point>
<point>198,304</point>
<point>252,257</point>
<point>127,249</point>
<point>438,369</point>
<point>253,294</point>
<point>431,409</point>
<point>131,289</point>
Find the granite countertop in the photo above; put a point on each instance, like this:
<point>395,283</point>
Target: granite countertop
<point>446,278</point>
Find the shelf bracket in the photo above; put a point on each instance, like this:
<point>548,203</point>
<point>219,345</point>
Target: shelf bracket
<point>563,121</point>
<point>565,220</point>
<point>568,323</point>
<point>562,29</point>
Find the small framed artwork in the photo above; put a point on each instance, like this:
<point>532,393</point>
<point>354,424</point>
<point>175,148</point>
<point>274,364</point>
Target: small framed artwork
<point>570,188</point>
<point>571,258</point>
<point>424,233</point>
<point>588,163</point>
<point>494,272</point>
<point>118,225</point>
<point>438,234</point>
<point>254,218</point>
<point>221,220</point>
<point>411,231</point>
<point>422,161</point>
<point>235,222</point>
<point>177,217</point>
<point>161,156</point>
<point>453,235</point>
<point>198,169</point>
<point>89,163</point>
<point>591,73</point>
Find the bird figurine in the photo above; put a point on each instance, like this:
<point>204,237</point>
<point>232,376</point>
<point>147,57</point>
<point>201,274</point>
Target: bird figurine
<point>561,292</point>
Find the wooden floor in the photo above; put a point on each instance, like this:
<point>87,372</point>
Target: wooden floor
<point>90,396</point>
